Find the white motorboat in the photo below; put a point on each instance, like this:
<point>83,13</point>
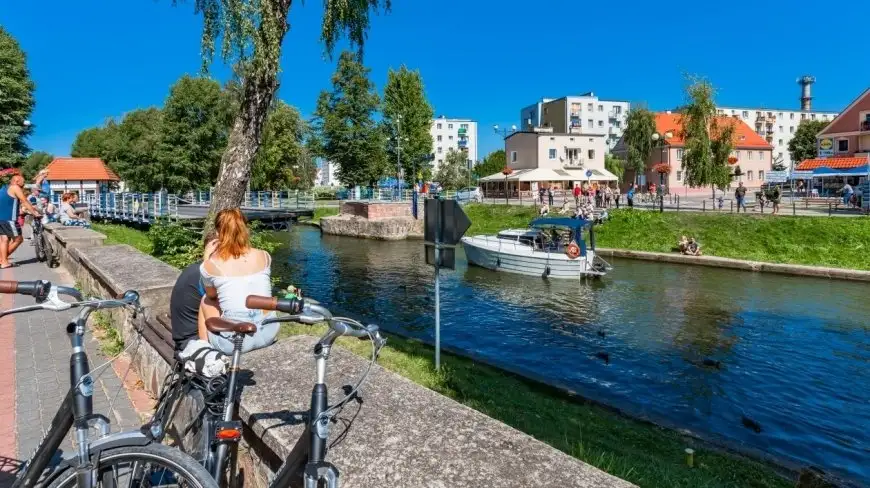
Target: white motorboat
<point>550,248</point>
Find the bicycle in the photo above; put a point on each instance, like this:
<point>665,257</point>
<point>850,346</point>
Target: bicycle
<point>119,459</point>
<point>45,251</point>
<point>218,429</point>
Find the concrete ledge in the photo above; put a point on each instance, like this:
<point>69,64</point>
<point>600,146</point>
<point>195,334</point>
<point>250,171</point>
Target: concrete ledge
<point>388,228</point>
<point>402,434</point>
<point>65,239</point>
<point>729,263</point>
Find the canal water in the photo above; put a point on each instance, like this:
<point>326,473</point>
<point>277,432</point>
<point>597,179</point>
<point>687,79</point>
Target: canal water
<point>792,353</point>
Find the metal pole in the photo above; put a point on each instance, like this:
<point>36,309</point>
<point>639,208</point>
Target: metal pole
<point>398,153</point>
<point>438,286</point>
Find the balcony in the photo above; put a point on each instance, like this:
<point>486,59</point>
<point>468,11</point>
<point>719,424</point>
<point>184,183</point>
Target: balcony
<point>865,126</point>
<point>614,115</point>
<point>462,131</point>
<point>462,143</point>
<point>573,163</point>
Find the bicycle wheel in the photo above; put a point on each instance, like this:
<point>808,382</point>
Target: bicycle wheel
<point>151,465</point>
<point>190,409</point>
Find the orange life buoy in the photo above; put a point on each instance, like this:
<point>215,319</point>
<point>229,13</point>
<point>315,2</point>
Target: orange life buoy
<point>573,250</point>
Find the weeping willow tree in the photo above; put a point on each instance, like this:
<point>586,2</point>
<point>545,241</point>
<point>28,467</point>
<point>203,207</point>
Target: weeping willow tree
<point>640,125</point>
<point>708,139</point>
<point>250,34</point>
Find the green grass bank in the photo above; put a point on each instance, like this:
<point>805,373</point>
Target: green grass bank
<point>814,241</point>
<point>637,451</point>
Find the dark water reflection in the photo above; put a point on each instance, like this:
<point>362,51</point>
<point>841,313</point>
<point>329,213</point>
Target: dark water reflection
<point>793,352</point>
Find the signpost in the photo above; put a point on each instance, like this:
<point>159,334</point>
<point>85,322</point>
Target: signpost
<point>776,177</point>
<point>444,225</point>
<point>826,148</point>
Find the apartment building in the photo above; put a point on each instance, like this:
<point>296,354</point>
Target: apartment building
<point>326,174</point>
<point>751,151</point>
<point>776,126</point>
<point>456,134</point>
<point>584,114</point>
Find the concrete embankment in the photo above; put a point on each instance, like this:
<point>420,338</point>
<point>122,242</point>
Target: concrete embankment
<point>374,220</point>
<point>740,264</point>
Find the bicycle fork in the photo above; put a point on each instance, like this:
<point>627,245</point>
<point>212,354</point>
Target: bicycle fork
<point>317,468</point>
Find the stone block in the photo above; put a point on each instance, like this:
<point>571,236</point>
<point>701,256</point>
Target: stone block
<point>393,228</point>
<point>402,434</point>
<point>121,267</point>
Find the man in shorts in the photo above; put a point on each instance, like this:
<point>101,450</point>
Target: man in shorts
<point>12,199</point>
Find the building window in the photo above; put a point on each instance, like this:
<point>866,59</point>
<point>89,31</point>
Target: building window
<point>439,150</point>
<point>761,155</point>
<point>449,126</point>
<point>439,138</point>
<point>761,175</point>
<point>791,116</point>
<point>600,123</point>
<point>601,108</point>
<point>591,154</point>
<point>803,116</point>
<point>780,142</point>
<point>617,124</point>
<point>591,123</point>
<point>679,156</point>
<point>438,126</point>
<point>449,138</point>
<point>590,107</point>
<point>843,145</point>
<point>720,112</point>
<point>813,116</point>
<point>463,126</point>
<point>617,110</point>
<point>779,156</point>
<point>552,154</point>
<point>750,155</point>
<point>780,115</point>
<point>737,154</point>
<point>791,130</point>
<point>781,129</point>
<point>749,175</point>
<point>746,114</point>
<point>513,156</point>
<point>679,175</point>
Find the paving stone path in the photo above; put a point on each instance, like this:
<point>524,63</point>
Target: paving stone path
<point>34,370</point>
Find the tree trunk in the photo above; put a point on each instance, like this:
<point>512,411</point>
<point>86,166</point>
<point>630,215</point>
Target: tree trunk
<point>258,91</point>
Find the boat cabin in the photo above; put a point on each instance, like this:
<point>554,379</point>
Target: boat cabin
<point>552,234</point>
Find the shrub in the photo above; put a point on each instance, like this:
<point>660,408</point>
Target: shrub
<point>181,246</point>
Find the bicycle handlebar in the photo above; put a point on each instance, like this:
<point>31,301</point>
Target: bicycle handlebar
<point>306,312</point>
<point>47,298</point>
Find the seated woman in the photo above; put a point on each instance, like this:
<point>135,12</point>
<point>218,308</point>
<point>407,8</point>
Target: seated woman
<point>694,247</point>
<point>684,245</point>
<point>49,210</point>
<point>232,271</point>
<point>68,214</point>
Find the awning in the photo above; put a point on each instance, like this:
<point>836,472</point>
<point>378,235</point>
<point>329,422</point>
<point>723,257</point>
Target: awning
<point>546,174</point>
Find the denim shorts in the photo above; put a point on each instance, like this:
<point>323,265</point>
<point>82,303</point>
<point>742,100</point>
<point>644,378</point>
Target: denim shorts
<point>264,336</point>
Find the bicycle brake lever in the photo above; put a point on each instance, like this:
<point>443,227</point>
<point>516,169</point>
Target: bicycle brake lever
<point>54,303</point>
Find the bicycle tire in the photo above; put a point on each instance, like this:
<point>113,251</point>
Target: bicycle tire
<point>187,472</point>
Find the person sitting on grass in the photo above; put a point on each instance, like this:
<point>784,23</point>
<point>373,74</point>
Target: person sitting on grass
<point>694,248</point>
<point>683,245</point>
<point>564,210</point>
<point>545,209</point>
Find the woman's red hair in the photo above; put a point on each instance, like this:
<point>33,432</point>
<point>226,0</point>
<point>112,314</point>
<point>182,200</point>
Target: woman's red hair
<point>233,238</point>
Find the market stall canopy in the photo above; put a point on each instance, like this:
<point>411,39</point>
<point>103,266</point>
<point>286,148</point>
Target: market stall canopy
<point>835,166</point>
<point>546,174</point>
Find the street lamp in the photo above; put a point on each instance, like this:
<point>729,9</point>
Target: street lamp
<point>662,140</point>
<point>504,132</point>
<point>399,140</point>
<point>506,172</point>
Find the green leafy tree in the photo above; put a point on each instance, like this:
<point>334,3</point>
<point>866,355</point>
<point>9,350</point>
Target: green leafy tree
<point>707,139</point>
<point>347,133</point>
<point>193,134</point>
<point>804,145</point>
<point>103,142</point>
<point>614,165</point>
<point>493,163</point>
<point>16,102</point>
<point>407,114</point>
<point>36,161</point>
<point>452,173</point>
<point>140,134</point>
<point>251,34</point>
<point>640,125</point>
<point>283,156</point>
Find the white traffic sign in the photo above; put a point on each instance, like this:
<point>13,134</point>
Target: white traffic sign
<point>776,176</point>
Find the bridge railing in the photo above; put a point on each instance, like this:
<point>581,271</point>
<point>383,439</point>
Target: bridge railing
<point>133,207</point>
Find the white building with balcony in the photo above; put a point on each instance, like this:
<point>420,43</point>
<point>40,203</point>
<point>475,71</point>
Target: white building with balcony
<point>456,134</point>
<point>326,174</point>
<point>584,114</point>
<point>776,126</point>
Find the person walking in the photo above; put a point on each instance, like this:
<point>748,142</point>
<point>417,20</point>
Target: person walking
<point>541,192</point>
<point>616,194</point>
<point>630,196</point>
<point>740,196</point>
<point>12,199</point>
<point>775,195</point>
<point>576,196</point>
<point>550,196</point>
<point>847,194</point>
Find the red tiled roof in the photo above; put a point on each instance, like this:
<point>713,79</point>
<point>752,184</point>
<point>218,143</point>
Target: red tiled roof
<point>744,136</point>
<point>80,169</point>
<point>833,163</point>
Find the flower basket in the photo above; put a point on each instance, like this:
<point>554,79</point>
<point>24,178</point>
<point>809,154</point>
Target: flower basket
<point>662,168</point>
<point>507,171</point>
<point>732,160</point>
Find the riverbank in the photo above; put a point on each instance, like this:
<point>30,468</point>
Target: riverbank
<point>810,241</point>
<point>634,450</point>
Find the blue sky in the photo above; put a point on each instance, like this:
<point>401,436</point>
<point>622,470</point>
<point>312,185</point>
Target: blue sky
<point>481,59</point>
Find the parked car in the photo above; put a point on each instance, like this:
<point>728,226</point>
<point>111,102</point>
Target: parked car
<point>470,194</point>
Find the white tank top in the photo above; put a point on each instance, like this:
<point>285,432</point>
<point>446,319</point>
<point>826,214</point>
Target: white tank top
<point>233,290</point>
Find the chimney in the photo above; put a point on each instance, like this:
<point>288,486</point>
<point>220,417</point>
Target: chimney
<point>806,83</point>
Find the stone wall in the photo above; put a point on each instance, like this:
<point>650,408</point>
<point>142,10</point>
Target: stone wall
<point>374,220</point>
<point>396,433</point>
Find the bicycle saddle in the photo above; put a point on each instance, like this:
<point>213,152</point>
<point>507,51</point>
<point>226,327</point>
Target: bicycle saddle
<point>220,324</point>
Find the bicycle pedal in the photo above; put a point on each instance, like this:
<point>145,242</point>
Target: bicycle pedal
<point>228,431</point>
